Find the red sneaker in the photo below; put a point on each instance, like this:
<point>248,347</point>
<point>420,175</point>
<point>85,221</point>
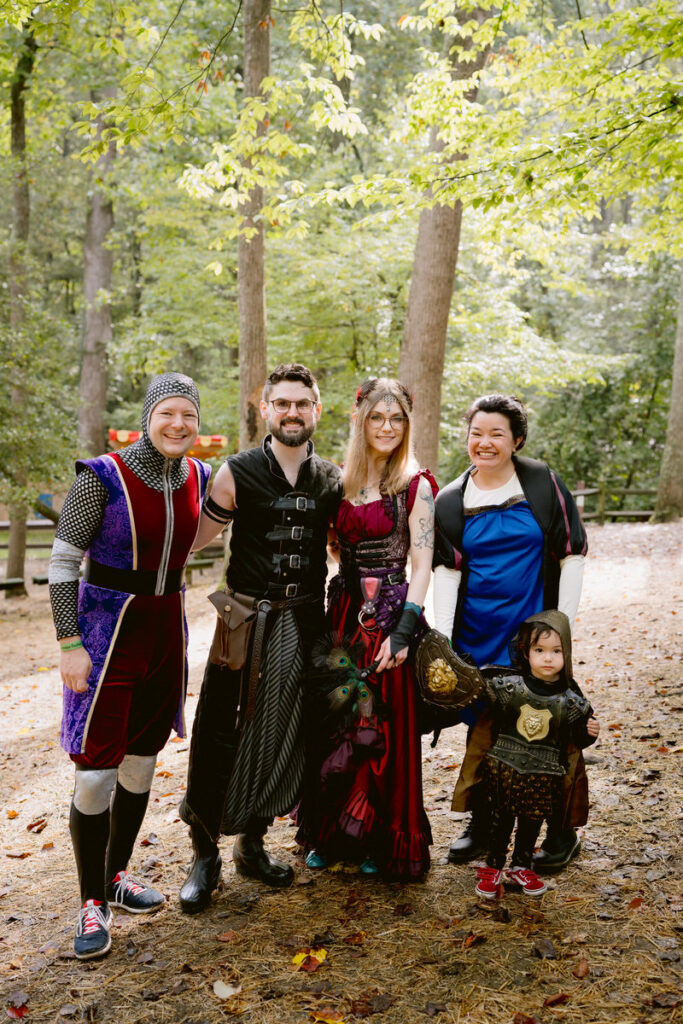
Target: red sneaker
<point>488,884</point>
<point>531,884</point>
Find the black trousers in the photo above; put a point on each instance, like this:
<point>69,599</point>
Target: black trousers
<point>525,839</point>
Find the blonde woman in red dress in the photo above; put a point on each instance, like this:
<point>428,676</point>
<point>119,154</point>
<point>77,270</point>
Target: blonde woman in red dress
<point>362,795</point>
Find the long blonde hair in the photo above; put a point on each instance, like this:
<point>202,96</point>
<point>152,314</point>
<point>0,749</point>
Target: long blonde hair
<point>401,464</point>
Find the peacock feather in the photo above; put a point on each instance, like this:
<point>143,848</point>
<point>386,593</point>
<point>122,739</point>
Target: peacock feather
<point>338,680</point>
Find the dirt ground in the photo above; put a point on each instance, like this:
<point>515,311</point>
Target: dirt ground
<point>602,945</point>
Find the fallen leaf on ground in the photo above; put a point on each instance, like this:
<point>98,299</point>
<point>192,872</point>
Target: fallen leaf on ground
<point>18,856</point>
<point>635,903</point>
<point>524,1018</point>
<point>226,936</point>
<point>12,814</point>
<point>18,998</point>
<point>309,953</point>
<point>151,840</point>
<point>544,949</point>
<point>665,1000</point>
<point>309,964</point>
<point>355,939</point>
<point>224,991</point>
<point>371,1002</point>
<point>326,1015</point>
<point>556,1000</point>
<point>582,969</point>
<point>473,940</point>
<point>37,826</point>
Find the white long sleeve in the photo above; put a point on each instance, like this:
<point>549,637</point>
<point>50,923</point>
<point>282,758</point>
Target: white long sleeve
<point>445,593</point>
<point>571,583</point>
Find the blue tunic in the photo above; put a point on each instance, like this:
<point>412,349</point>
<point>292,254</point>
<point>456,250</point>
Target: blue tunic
<point>504,549</point>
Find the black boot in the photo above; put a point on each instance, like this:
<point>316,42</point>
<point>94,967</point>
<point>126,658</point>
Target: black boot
<point>205,873</point>
<point>127,813</point>
<point>475,840</point>
<point>250,858</point>
<point>559,847</point>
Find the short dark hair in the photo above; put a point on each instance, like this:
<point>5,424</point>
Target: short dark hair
<point>506,405</point>
<point>291,371</point>
<point>529,633</point>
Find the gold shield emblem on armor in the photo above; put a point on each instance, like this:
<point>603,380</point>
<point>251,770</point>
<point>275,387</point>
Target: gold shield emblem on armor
<point>533,724</point>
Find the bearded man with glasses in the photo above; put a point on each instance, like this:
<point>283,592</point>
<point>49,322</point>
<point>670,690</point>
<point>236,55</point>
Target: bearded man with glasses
<point>246,757</point>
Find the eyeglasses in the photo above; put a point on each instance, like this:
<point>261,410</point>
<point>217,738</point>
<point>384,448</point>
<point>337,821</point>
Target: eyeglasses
<point>303,405</point>
<point>395,422</point>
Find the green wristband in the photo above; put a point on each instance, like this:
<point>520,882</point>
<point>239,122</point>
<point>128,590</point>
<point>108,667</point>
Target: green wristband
<point>72,646</point>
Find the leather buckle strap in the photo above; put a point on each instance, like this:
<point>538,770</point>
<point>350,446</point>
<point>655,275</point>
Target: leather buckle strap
<point>294,561</point>
<point>286,533</point>
<point>294,503</point>
<point>262,610</point>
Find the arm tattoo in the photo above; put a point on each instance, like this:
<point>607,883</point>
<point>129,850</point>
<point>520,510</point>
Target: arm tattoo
<point>424,535</point>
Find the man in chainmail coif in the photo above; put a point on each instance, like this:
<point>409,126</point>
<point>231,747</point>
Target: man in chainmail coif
<point>122,630</point>
<point>247,756</point>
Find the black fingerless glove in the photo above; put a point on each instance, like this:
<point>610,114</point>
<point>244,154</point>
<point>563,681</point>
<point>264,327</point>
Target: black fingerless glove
<point>402,632</point>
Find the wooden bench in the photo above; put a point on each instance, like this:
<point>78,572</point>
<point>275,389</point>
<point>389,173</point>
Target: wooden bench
<point>40,580</point>
<point>13,583</point>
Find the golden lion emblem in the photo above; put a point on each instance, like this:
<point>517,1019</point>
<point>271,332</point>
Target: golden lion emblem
<point>533,723</point>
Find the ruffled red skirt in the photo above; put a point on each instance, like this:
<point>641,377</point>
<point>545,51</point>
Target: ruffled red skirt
<point>363,796</point>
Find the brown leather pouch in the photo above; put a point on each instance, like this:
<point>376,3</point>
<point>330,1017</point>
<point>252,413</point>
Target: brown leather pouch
<point>236,618</point>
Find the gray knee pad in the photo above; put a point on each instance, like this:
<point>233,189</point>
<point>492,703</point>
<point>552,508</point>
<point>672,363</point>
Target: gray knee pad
<point>93,788</point>
<point>136,772</point>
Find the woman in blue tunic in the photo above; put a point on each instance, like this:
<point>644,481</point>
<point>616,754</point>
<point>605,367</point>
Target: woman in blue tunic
<point>510,543</point>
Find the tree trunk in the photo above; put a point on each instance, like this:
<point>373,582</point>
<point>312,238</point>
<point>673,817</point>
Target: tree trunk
<point>251,285</point>
<point>670,489</point>
<point>97,278</point>
<point>429,300</point>
<point>21,215</point>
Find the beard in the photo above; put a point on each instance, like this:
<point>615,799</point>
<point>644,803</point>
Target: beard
<point>293,439</point>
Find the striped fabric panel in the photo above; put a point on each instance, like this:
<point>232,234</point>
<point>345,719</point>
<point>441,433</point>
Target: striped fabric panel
<point>270,760</point>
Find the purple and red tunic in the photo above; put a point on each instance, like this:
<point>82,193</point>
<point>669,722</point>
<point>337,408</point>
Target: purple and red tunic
<point>139,532</point>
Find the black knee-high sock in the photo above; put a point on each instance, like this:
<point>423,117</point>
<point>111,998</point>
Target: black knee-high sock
<point>127,814</point>
<point>89,836</point>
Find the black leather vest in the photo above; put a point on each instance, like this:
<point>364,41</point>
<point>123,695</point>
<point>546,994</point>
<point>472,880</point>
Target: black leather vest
<point>533,731</point>
<point>279,533</point>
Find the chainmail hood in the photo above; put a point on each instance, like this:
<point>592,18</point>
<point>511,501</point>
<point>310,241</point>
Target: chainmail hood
<point>142,457</point>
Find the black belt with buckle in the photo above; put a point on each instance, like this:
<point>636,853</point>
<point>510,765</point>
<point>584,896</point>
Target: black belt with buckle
<point>131,581</point>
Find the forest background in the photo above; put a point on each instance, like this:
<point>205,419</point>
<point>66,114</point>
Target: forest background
<point>478,197</point>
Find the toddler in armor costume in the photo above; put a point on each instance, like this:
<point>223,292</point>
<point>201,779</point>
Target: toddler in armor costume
<point>538,709</point>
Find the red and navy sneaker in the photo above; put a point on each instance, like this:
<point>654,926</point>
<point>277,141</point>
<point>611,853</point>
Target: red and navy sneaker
<point>133,896</point>
<point>92,936</point>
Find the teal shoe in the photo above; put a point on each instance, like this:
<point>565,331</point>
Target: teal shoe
<point>315,861</point>
<point>369,868</point>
